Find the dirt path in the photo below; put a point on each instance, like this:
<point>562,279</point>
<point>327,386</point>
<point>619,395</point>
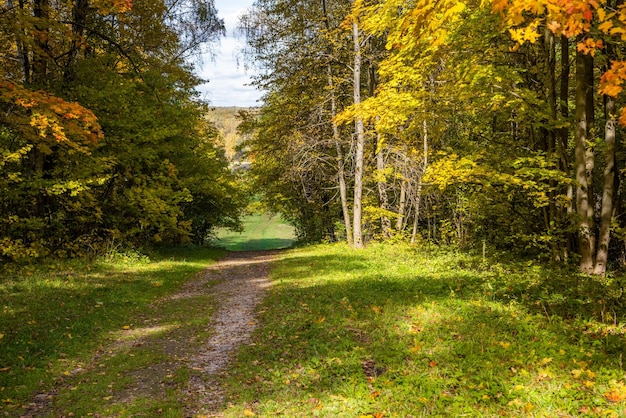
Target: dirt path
<point>244,278</point>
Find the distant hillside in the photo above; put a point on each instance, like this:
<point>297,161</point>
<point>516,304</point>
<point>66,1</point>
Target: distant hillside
<point>226,121</point>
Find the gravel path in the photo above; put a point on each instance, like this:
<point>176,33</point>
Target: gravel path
<point>244,278</point>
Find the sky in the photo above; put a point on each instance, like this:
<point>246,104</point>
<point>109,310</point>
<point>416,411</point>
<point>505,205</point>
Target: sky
<point>227,79</point>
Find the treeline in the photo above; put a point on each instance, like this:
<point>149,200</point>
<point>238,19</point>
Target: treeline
<point>103,140</point>
<point>227,121</point>
<point>461,122</point>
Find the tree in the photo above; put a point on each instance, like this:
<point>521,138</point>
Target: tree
<point>101,134</point>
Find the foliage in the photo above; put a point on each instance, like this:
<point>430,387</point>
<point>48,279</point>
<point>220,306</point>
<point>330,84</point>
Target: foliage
<point>103,138</point>
<point>484,120</point>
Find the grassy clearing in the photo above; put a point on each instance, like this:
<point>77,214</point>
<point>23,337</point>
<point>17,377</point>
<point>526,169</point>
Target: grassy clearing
<point>92,330</point>
<point>261,232</point>
<point>393,332</point>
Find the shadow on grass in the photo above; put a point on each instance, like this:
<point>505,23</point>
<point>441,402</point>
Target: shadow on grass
<point>345,335</point>
<point>56,318</point>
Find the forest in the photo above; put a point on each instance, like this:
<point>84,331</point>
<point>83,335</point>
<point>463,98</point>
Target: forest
<point>452,173</point>
<point>487,125</point>
<point>104,142</point>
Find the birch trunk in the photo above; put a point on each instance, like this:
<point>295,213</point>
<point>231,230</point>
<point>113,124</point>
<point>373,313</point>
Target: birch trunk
<point>360,142</point>
<point>418,195</point>
<point>385,223</point>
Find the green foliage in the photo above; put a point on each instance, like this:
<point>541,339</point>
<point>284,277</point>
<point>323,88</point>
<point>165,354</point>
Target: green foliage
<point>110,143</point>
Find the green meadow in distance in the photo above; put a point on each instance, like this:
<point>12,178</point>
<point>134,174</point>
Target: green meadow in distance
<point>261,232</point>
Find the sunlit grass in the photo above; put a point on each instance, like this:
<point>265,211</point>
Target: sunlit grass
<point>396,332</point>
<point>261,232</point>
<point>55,317</point>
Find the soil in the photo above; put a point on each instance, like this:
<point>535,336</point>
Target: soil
<point>242,278</point>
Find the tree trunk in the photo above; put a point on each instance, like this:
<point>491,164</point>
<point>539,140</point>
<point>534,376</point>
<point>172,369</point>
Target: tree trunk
<point>418,195</point>
<point>337,139</point>
<point>385,223</point>
<point>402,202</point>
<point>360,141</point>
<point>79,16</point>
<point>550,214</point>
<point>340,159</point>
<point>582,190</point>
<point>41,12</point>
<point>21,48</point>
<point>608,191</point>
<point>590,151</point>
<point>563,143</point>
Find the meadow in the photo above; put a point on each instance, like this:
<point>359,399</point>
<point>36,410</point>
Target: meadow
<point>75,333</point>
<point>394,331</point>
<point>260,232</point>
<point>388,331</point>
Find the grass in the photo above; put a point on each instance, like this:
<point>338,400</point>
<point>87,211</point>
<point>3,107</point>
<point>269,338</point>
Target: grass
<point>395,332</point>
<point>389,331</point>
<point>261,232</point>
<point>92,329</point>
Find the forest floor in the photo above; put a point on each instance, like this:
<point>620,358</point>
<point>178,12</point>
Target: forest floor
<point>182,371</point>
<point>387,331</point>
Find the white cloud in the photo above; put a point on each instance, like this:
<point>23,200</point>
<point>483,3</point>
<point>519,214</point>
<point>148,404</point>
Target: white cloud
<point>228,82</point>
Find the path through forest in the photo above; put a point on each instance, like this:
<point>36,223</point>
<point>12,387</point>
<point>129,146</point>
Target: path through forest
<point>242,278</point>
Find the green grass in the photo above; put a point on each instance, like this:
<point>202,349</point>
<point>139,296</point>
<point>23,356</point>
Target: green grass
<point>261,232</point>
<point>395,332</point>
<point>88,329</point>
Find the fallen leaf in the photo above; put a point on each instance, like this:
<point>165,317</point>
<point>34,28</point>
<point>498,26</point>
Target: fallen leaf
<point>616,395</point>
<point>249,413</point>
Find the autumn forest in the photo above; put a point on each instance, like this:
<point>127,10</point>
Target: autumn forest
<point>471,124</point>
<point>452,173</point>
<point>491,124</point>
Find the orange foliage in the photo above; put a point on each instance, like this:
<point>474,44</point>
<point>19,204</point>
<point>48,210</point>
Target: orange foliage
<point>51,117</point>
<point>113,6</point>
<point>571,18</point>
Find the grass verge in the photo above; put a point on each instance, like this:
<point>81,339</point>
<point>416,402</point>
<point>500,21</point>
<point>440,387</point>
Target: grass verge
<point>261,232</point>
<point>91,330</point>
<point>394,332</point>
